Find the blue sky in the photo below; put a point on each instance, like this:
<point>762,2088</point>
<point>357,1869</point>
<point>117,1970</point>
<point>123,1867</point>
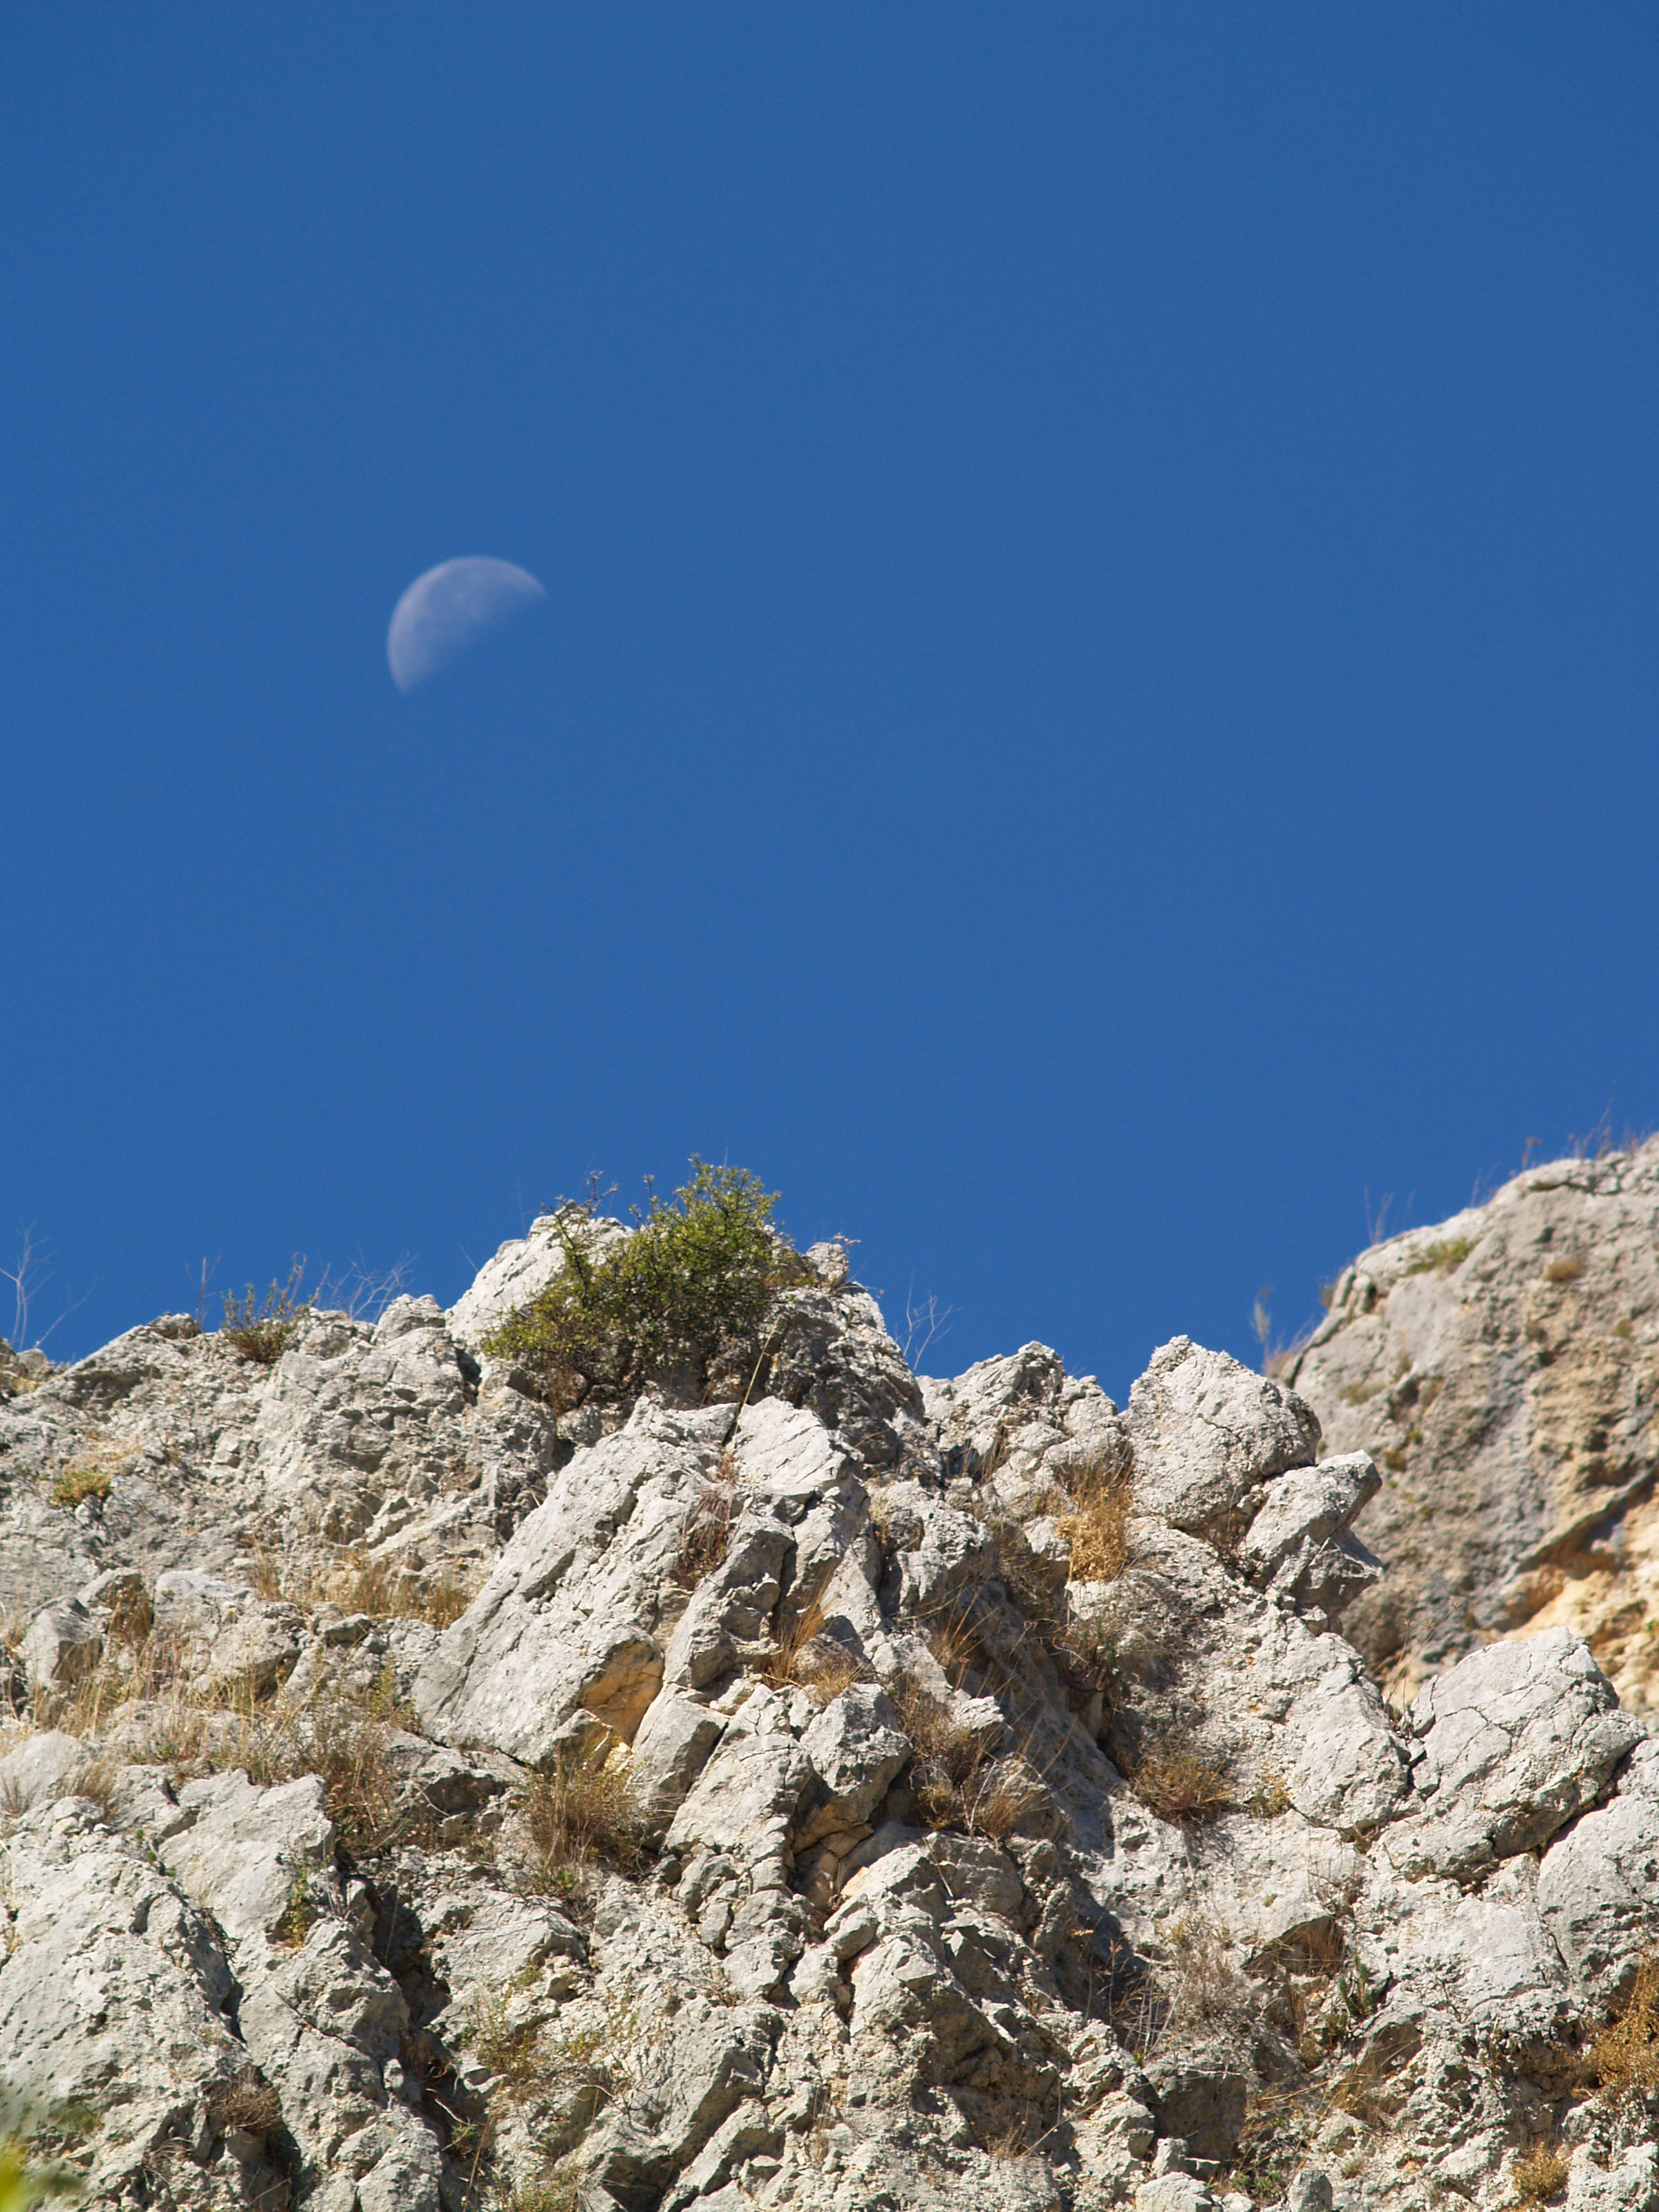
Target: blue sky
<point>1095,703</point>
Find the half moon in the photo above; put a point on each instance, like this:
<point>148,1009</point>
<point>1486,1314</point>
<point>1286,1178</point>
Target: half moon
<point>445,612</point>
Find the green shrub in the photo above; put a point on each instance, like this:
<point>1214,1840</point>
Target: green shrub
<point>692,1285</point>
<point>1442,1256</point>
<point>261,1329</point>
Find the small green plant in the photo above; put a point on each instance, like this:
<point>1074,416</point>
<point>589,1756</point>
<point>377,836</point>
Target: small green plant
<point>263,1329</point>
<point>298,1913</point>
<point>510,2048</point>
<point>558,2189</point>
<point>690,1287</point>
<point>1271,1796</point>
<point>27,2179</point>
<point>77,1483</point>
<point>1443,1254</point>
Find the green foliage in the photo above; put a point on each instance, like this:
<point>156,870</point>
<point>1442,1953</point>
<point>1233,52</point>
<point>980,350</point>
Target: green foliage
<point>1445,1255</point>
<point>77,1483</point>
<point>690,1286</point>
<point>25,2179</point>
<point>261,1329</point>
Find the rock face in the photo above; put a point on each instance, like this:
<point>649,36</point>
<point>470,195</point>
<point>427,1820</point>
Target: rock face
<point>877,1791</point>
<point>1503,1371</point>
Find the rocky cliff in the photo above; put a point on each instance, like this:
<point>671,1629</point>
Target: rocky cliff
<point>840,1788</point>
<point>1503,1370</point>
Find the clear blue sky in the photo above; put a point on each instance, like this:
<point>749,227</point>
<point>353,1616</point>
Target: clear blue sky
<point>1095,700</point>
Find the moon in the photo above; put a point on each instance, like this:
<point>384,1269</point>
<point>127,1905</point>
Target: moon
<point>444,613</point>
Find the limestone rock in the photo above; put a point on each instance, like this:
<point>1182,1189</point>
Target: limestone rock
<point>299,1898</point>
<point>1512,1742</point>
<point>1598,1884</point>
<point>1498,1367</point>
<point>1208,1434</point>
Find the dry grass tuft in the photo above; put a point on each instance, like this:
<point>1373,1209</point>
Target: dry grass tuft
<point>1540,2176</point>
<point>578,1814</point>
<point>954,1642</point>
<point>358,1582</point>
<point>1204,1984</point>
<point>791,1656</point>
<point>1361,2092</point>
<point>1095,1527</point>
<point>1565,1269</point>
<point>247,2102</point>
<point>708,1523</point>
<point>1626,2057</point>
<point>958,1784</point>
<point>346,1742</point>
<point>77,1483</point>
<point>1181,1785</point>
<point>828,1668</point>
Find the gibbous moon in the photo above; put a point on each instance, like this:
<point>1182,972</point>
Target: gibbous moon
<point>444,613</point>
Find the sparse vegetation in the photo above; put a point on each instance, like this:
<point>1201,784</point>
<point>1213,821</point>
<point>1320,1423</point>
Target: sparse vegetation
<point>577,1814</point>
<point>689,1289</point>
<point>708,1523</point>
<point>957,1783</point>
<point>509,2048</point>
<point>558,2189</point>
<point>1442,1256</point>
<point>77,1483</point>
<point>793,1658</point>
<point>1540,2175</point>
<point>1181,1785</point>
<point>1624,2058</point>
<point>245,2102</point>
<point>1095,1525</point>
<point>1565,1267</point>
<point>358,1582</point>
<point>261,1329</point>
<point>1271,1796</point>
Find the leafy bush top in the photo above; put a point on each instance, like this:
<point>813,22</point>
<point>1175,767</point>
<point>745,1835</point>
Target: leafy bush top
<point>692,1283</point>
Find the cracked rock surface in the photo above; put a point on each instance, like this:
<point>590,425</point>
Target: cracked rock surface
<point>872,1790</point>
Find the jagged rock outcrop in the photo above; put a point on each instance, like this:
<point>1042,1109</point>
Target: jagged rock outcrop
<point>1501,1369</point>
<point>862,1791</point>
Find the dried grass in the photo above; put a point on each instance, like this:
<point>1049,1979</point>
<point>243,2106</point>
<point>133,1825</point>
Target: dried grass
<point>578,1814</point>
<point>247,2102</point>
<point>708,1523</point>
<point>957,1783</point>
<point>1204,1984</point>
<point>356,1582</point>
<point>1626,2057</point>
<point>76,1484</point>
<point>791,1655</point>
<point>189,1722</point>
<point>1540,2175</point>
<point>826,1668</point>
<point>1181,1785</point>
<point>1095,1526</point>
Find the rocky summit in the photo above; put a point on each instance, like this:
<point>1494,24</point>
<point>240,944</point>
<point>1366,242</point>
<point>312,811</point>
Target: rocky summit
<point>537,1756</point>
